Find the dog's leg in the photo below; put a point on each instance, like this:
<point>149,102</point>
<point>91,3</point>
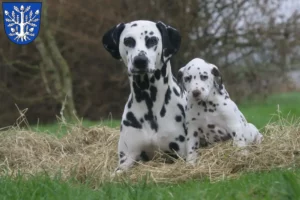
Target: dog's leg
<point>126,162</point>
<point>192,146</point>
<point>131,146</point>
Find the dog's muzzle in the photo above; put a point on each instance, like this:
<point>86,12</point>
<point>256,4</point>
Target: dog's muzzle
<point>196,93</point>
<point>140,64</point>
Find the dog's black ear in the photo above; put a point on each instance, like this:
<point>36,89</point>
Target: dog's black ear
<point>171,39</point>
<point>218,81</point>
<point>111,40</point>
<point>180,81</point>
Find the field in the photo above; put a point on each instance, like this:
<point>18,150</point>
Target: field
<point>274,184</point>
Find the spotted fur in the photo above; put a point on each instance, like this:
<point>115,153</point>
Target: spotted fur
<point>211,115</point>
<point>153,118</point>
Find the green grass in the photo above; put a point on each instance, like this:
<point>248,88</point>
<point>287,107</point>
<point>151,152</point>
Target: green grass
<point>260,112</point>
<point>272,185</point>
<point>60,129</point>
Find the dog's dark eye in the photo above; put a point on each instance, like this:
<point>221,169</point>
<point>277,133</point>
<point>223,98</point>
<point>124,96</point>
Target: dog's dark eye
<point>203,77</point>
<point>129,42</point>
<point>151,42</point>
<point>187,78</point>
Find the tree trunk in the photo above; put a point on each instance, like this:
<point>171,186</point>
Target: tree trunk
<point>55,70</point>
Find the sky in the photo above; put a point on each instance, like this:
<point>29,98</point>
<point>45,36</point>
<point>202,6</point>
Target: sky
<point>289,6</point>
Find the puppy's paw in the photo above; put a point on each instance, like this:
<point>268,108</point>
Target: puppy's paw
<point>118,171</point>
<point>244,152</point>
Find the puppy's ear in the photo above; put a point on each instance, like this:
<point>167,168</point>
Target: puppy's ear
<point>111,40</point>
<point>171,39</point>
<point>180,80</point>
<point>218,81</point>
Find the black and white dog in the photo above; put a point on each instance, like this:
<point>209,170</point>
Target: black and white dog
<point>211,115</point>
<point>154,116</point>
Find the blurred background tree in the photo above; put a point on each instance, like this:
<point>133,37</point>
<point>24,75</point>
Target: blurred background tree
<point>67,71</point>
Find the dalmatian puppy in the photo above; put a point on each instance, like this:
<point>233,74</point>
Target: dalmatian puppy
<point>211,116</point>
<point>153,117</point>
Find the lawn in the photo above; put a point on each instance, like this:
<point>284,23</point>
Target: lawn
<point>276,184</point>
<point>272,185</point>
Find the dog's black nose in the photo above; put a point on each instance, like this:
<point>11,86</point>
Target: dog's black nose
<point>140,62</point>
<point>196,93</point>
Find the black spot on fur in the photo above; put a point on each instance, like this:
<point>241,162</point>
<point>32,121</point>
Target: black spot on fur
<point>200,129</point>
<point>181,138</point>
<point>121,128</point>
<point>132,121</point>
<point>133,25</point>
<point>226,137</point>
<point>152,79</point>
<point>129,42</point>
<point>174,146</point>
<point>193,119</point>
<point>195,134</point>
<point>151,41</point>
<point>220,132</point>
<point>211,126</point>
<point>153,92</point>
<point>168,95</point>
<point>163,111</point>
<point>164,70</point>
<point>121,154</point>
<point>151,33</point>
<point>153,123</point>
<point>216,139</point>
<point>185,129</point>
<point>210,110</point>
<point>166,79</point>
<point>157,74</point>
<point>142,120</point>
<point>176,92</point>
<point>122,161</point>
<point>233,133</point>
<point>203,142</point>
<point>144,156</point>
<point>130,102</point>
<point>181,109</point>
<point>178,118</point>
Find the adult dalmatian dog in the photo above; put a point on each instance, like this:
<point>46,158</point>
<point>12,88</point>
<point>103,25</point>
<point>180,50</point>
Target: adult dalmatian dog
<point>211,116</point>
<point>153,117</point>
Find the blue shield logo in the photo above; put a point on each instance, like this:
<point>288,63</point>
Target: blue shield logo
<point>22,21</point>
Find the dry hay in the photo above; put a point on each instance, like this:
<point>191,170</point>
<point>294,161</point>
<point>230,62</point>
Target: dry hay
<point>90,154</point>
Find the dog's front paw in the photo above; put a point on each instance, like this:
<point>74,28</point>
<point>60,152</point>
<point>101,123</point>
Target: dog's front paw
<point>118,171</point>
<point>244,152</point>
<point>191,162</point>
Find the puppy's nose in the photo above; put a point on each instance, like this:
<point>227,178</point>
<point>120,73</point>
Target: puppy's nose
<point>140,61</point>
<point>196,93</point>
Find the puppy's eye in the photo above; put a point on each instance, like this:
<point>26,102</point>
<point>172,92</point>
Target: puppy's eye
<point>187,78</point>
<point>129,42</point>
<point>151,42</point>
<point>203,77</point>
